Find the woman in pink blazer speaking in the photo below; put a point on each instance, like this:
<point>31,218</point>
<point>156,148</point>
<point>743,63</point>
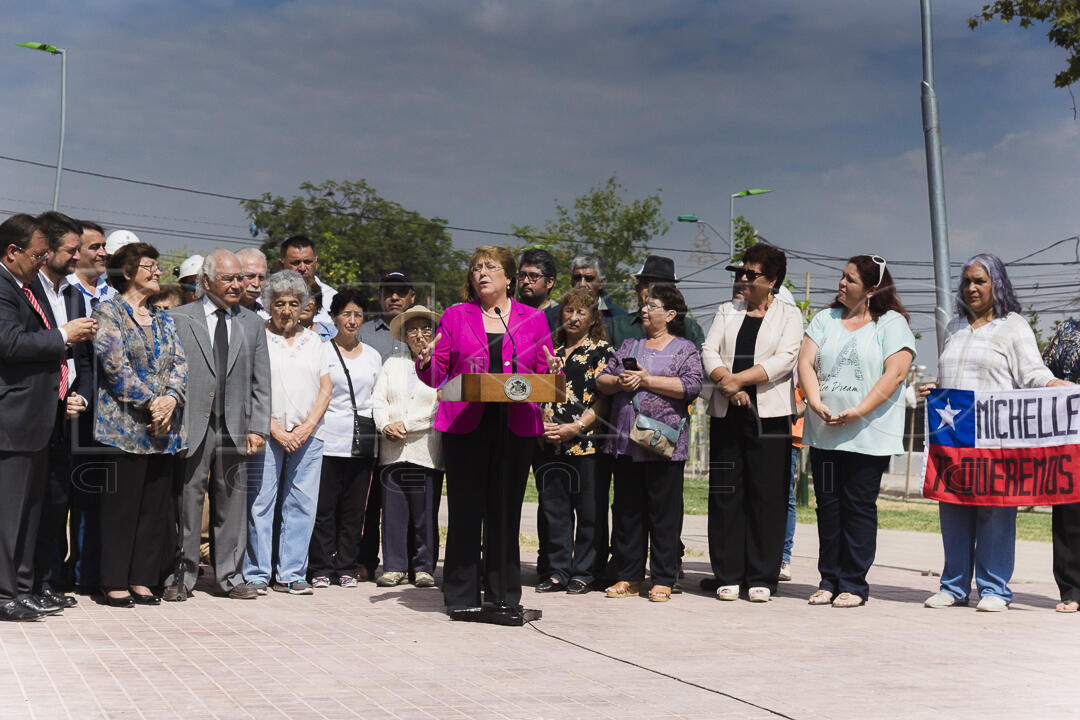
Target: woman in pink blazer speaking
<point>486,333</point>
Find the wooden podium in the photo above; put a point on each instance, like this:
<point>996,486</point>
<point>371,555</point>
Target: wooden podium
<point>503,389</point>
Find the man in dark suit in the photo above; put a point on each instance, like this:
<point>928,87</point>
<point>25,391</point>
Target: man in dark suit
<point>33,389</point>
<point>228,418</point>
<point>66,303</point>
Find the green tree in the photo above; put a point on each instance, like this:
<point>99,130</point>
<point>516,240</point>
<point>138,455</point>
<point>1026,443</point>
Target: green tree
<point>601,222</point>
<point>360,235</point>
<point>1063,17</point>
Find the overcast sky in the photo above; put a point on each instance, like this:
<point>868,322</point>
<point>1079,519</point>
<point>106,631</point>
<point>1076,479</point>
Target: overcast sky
<point>486,113</point>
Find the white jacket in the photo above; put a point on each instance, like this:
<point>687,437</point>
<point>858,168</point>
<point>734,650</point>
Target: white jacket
<point>391,401</point>
<point>776,351</point>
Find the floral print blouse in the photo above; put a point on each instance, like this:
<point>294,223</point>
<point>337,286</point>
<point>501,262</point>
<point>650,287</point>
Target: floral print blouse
<point>1062,355</point>
<point>581,368</point>
<point>133,368</point>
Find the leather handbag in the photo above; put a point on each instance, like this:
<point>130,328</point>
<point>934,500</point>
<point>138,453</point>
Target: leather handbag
<point>653,435</point>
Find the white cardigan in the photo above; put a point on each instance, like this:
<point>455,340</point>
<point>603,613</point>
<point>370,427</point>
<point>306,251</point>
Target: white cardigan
<point>391,401</point>
<point>776,351</point>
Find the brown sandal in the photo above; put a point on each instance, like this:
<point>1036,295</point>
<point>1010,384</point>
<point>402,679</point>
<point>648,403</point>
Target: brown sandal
<point>660,593</point>
<point>623,589</point>
<point>821,597</point>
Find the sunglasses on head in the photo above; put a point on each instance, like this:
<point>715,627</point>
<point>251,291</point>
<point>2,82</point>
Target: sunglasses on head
<point>880,262</point>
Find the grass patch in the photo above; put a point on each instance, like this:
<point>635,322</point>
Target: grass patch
<point>893,514</point>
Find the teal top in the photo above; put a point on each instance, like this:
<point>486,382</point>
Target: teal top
<point>848,364</point>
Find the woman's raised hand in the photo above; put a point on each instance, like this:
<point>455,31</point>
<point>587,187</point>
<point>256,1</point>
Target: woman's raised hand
<point>554,363</point>
<point>423,358</point>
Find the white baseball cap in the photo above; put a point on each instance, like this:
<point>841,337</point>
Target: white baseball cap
<point>118,239</point>
<point>191,266</point>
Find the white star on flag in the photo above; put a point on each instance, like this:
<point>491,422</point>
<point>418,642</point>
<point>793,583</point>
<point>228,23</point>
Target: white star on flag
<point>947,415</point>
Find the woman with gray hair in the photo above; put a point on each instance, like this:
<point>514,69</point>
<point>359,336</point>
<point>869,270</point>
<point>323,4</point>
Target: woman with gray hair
<point>300,392</point>
<point>989,346</point>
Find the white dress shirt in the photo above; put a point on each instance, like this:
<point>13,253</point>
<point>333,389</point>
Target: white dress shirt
<point>212,319</point>
<point>59,311</point>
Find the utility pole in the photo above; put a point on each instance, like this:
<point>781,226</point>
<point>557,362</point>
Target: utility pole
<point>935,178</point>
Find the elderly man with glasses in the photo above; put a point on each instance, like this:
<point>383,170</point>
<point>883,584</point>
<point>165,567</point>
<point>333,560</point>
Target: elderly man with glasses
<point>227,418</point>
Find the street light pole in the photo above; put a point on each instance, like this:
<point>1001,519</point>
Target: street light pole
<point>731,210</point>
<point>935,180</point>
<point>53,50</point>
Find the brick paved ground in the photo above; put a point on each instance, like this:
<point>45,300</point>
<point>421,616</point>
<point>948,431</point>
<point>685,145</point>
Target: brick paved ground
<point>377,653</point>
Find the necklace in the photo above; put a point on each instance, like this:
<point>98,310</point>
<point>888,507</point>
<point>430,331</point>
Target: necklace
<point>494,315</point>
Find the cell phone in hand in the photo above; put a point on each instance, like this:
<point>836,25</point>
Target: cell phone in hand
<point>630,364</point>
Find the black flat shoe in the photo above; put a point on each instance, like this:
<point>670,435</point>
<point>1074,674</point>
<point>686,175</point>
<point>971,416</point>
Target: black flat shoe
<point>64,601</point>
<point>577,587</point>
<point>145,599</point>
<point>549,585</point>
<point>120,602</point>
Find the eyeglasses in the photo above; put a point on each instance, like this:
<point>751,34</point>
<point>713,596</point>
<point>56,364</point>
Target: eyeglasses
<point>531,277</point>
<point>880,262</point>
<point>651,306</point>
<point>481,267</point>
<point>38,257</point>
<point>151,269</point>
<point>418,332</point>
<point>750,275</point>
<point>582,277</point>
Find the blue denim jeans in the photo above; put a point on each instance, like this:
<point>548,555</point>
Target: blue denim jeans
<point>979,539</point>
<point>789,537</point>
<point>294,477</point>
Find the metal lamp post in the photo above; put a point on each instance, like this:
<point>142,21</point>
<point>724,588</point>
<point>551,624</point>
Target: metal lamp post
<point>701,224</point>
<point>731,210</point>
<point>53,50</point>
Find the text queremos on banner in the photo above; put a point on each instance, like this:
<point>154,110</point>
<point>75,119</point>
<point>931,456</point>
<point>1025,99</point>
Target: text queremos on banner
<point>1004,447</point>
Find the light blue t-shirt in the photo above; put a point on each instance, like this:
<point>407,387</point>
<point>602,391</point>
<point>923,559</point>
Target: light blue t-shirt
<point>848,364</point>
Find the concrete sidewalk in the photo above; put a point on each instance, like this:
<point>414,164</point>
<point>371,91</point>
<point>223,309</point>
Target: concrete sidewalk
<point>392,653</point>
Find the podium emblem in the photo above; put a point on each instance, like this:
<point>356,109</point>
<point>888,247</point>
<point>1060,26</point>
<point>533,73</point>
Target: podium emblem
<point>517,388</point>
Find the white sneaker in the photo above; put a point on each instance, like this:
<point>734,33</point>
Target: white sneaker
<point>992,603</point>
<point>785,572</point>
<point>728,592</point>
<point>942,599</point>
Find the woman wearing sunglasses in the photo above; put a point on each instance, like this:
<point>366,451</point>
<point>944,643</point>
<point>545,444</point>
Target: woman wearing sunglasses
<point>749,354</point>
<point>855,356</point>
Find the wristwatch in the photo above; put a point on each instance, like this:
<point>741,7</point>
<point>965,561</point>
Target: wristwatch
<point>581,425</point>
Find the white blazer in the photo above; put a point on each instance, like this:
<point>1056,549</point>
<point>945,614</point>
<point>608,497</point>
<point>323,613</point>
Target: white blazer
<point>392,401</point>
<point>776,351</point>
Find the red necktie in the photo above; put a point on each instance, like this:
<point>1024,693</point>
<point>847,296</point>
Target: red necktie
<point>41,314</point>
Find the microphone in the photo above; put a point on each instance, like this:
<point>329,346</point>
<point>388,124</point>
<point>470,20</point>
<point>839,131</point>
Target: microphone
<point>513,345</point>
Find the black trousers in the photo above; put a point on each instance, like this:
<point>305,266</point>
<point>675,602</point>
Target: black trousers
<point>648,505</point>
<point>367,554</point>
<point>477,464</point>
<point>135,518</point>
<point>543,567</point>
<point>1065,526</point>
<point>846,486</point>
<point>749,467</point>
<point>567,486</point>
<point>23,476</point>
<point>411,496</point>
<point>344,489</point>
<point>52,543</point>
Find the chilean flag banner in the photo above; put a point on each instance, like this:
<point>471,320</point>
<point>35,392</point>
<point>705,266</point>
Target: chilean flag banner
<point>1006,448</point>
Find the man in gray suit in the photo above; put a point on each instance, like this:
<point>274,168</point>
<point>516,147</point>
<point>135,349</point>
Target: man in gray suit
<point>228,419</point>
